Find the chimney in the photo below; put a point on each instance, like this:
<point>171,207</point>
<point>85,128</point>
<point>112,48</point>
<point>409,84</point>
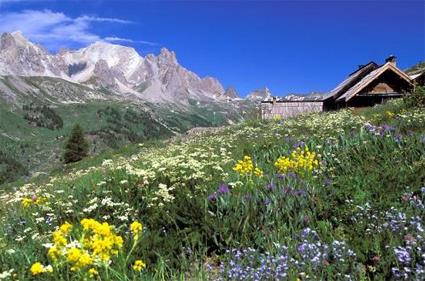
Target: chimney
<point>392,59</point>
<point>274,100</point>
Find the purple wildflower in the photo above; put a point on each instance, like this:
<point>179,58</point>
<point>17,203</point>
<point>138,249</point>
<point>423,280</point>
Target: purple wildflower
<point>223,188</point>
<point>387,128</point>
<point>328,182</point>
<point>399,274</point>
<point>292,175</point>
<point>280,176</point>
<point>402,255</point>
<point>212,197</point>
<point>300,193</point>
<point>370,128</point>
<point>271,186</point>
<point>300,144</point>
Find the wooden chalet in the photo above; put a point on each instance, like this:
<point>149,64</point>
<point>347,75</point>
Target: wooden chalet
<point>370,84</point>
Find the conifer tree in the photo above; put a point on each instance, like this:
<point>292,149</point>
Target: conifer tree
<point>76,147</point>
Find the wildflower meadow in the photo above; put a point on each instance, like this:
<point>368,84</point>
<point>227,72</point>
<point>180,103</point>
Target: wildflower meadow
<point>324,196</point>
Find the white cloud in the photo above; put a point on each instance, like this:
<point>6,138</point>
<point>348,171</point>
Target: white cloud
<point>55,29</point>
<point>125,40</point>
<point>97,19</point>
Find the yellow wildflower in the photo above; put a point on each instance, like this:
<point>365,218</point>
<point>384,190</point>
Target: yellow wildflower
<point>93,272</point>
<point>389,114</point>
<point>26,202</point>
<point>258,172</point>
<point>98,243</point>
<point>299,160</point>
<point>139,265</point>
<point>53,253</point>
<point>65,228</point>
<point>88,223</point>
<point>59,238</point>
<point>246,166</point>
<point>136,227</point>
<point>73,255</point>
<point>85,260</point>
<point>37,268</point>
<point>118,241</point>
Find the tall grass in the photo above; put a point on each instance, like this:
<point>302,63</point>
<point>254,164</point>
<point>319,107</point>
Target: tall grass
<point>358,214</point>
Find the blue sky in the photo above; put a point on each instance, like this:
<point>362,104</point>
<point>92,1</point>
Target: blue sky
<point>288,46</point>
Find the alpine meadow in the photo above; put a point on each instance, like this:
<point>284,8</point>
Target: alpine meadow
<point>118,163</point>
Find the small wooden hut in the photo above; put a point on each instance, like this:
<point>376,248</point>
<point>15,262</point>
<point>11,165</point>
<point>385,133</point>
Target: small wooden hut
<point>370,84</point>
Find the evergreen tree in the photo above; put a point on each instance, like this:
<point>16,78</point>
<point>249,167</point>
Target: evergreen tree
<point>76,147</point>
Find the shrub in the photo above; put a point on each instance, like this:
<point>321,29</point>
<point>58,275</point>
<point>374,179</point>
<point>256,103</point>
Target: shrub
<point>10,169</point>
<point>42,116</point>
<point>76,147</point>
<point>417,98</point>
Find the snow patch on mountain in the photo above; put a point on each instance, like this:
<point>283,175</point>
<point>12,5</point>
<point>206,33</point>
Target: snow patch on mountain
<point>157,79</point>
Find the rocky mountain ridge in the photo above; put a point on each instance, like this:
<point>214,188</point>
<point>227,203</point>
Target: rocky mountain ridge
<point>120,69</point>
<point>260,94</point>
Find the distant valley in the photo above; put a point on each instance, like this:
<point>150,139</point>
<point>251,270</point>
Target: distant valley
<point>116,95</point>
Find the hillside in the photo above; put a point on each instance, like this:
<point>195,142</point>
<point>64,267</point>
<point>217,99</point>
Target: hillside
<point>30,136</point>
<point>330,196</point>
<point>417,68</point>
<point>117,95</point>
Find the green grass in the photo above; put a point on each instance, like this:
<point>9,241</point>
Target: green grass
<point>354,211</point>
<point>107,124</point>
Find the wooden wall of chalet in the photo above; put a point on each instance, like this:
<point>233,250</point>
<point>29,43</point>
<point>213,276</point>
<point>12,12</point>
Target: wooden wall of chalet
<point>289,109</point>
<point>388,82</point>
<point>382,88</point>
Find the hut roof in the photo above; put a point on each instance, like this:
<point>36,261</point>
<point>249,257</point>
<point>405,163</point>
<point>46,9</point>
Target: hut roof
<point>365,81</point>
<point>415,76</point>
<point>351,80</point>
<point>353,84</point>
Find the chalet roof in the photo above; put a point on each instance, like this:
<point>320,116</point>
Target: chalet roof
<point>366,80</point>
<point>414,76</point>
<point>363,66</point>
<point>352,85</point>
<point>351,80</point>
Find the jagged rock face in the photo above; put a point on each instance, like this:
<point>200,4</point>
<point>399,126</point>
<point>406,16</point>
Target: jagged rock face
<point>121,69</point>
<point>7,41</point>
<point>212,84</point>
<point>104,74</point>
<point>18,56</point>
<point>260,94</point>
<point>301,97</point>
<point>231,93</point>
<point>166,57</point>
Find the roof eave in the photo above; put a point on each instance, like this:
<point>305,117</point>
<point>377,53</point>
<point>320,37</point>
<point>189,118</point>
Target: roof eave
<point>383,68</point>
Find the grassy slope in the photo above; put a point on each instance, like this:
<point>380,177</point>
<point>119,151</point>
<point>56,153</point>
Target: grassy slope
<point>39,149</point>
<point>371,161</point>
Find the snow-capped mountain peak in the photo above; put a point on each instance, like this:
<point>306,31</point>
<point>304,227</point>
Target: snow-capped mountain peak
<point>260,94</point>
<point>119,68</point>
